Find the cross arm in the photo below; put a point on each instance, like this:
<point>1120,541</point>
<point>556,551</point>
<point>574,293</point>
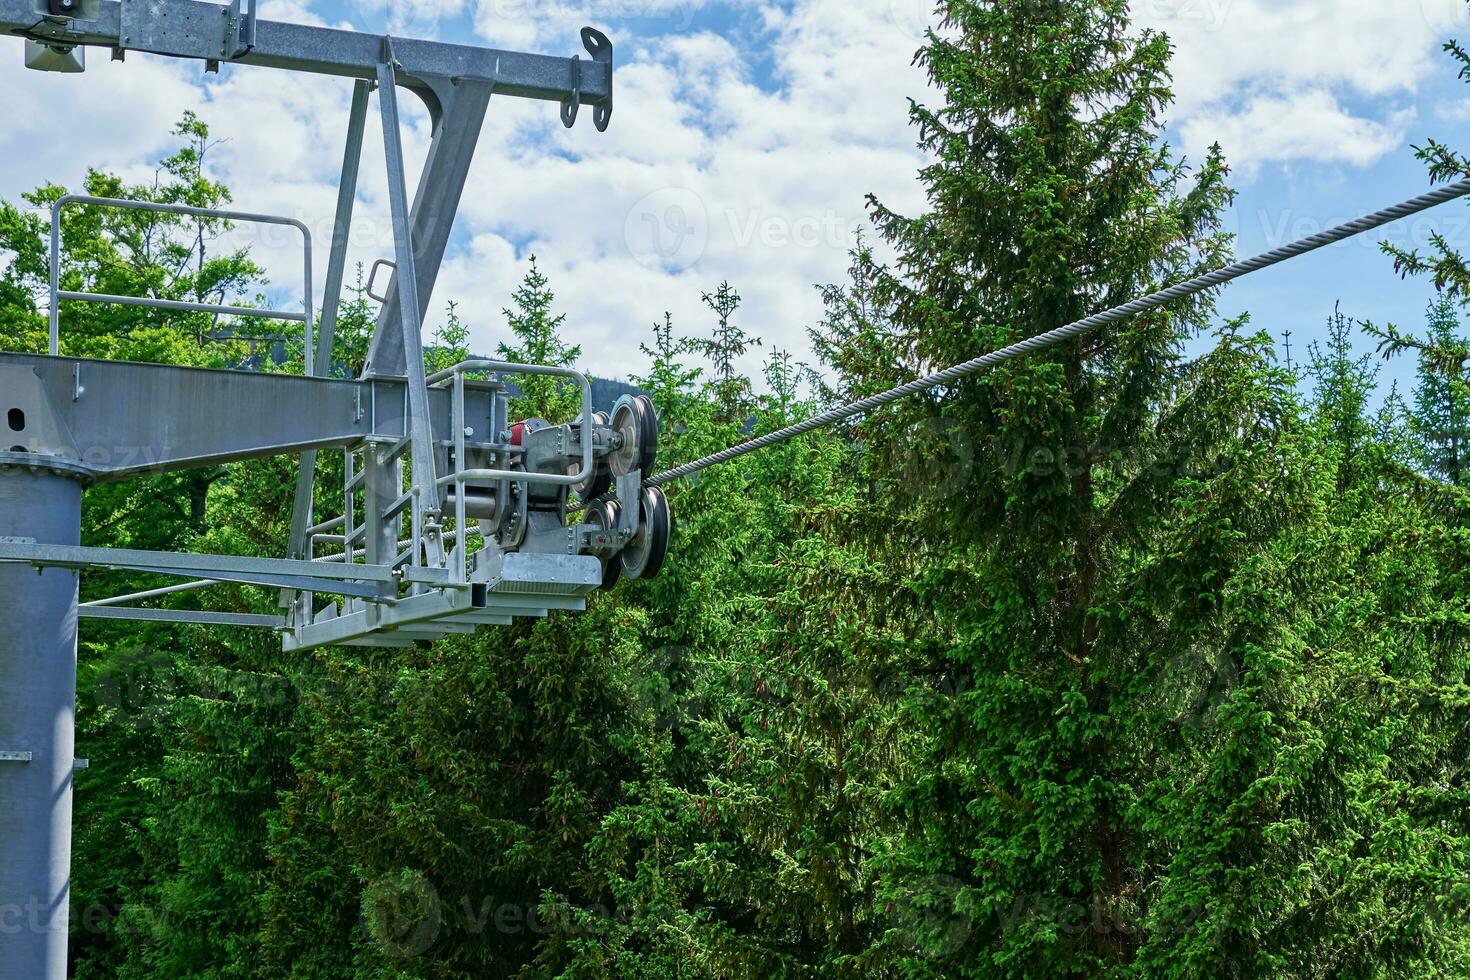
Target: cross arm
<point>113,420</point>
<point>191,29</point>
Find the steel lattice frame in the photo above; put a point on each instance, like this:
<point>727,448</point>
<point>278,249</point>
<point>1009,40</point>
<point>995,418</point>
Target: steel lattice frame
<point>74,422</point>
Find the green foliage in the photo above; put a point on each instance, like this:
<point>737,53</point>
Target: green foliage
<point>537,341</point>
<point>134,253</point>
<point>1344,383</point>
<point>723,347</point>
<point>1116,661</point>
<point>1441,415</point>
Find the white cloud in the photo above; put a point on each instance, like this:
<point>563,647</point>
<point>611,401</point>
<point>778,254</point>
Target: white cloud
<point>705,175</point>
<point>1308,126</point>
<point>406,18</point>
<point>1256,73</point>
<point>551,25</point>
<point>114,116</point>
<point>745,139</point>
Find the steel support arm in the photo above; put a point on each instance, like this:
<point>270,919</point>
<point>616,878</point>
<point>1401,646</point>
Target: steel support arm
<point>185,616</point>
<point>456,132</point>
<point>301,513</point>
<point>321,576</point>
<point>190,29</point>
<point>113,420</point>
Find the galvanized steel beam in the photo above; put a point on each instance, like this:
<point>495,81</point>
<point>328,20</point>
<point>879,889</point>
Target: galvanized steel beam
<point>114,420</point>
<point>456,133</point>
<point>189,29</point>
<point>301,512</point>
<point>183,616</point>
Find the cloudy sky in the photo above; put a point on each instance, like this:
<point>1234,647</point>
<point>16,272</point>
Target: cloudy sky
<point>747,135</point>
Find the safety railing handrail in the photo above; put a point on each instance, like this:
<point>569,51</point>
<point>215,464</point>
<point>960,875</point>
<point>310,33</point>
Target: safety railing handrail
<point>458,372</point>
<point>58,294</point>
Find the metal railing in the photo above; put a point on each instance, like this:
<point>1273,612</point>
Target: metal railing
<point>505,367</point>
<point>460,476</point>
<point>58,294</point>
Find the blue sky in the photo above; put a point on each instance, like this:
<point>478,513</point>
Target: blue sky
<point>747,134</point>
<point>1280,203</point>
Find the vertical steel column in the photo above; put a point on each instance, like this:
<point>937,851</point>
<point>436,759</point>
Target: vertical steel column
<point>382,483</point>
<point>461,115</point>
<point>301,514</point>
<point>406,297</point>
<point>38,688</point>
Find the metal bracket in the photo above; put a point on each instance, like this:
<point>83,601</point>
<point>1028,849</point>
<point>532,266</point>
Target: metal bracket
<point>7,755</point>
<point>182,30</point>
<point>373,277</point>
<point>240,34</point>
<point>189,30</point>
<point>573,102</point>
<point>601,50</point>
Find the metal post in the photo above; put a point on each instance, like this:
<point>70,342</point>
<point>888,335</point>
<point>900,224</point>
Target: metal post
<point>342,227</point>
<point>409,311</point>
<point>382,483</point>
<point>457,125</point>
<point>301,514</point>
<point>38,685</point>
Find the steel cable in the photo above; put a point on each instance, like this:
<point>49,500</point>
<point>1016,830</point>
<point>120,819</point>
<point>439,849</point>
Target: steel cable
<point>1041,341</point>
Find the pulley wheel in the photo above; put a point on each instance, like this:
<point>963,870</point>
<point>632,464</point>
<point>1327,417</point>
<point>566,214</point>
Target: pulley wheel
<point>605,516</point>
<point>601,480</point>
<point>644,555</point>
<point>648,446</point>
<point>627,421</point>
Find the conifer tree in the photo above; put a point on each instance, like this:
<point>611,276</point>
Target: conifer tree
<point>1441,414</point>
<point>536,339</point>
<point>1113,662</point>
<point>723,348</point>
<point>1079,536</point>
<point>1343,385</point>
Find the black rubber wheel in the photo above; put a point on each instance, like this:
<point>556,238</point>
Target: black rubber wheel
<point>643,558</point>
<point>648,441</point>
<point>627,421</point>
<point>606,516</point>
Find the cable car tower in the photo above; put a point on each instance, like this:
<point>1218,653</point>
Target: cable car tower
<point>453,515</point>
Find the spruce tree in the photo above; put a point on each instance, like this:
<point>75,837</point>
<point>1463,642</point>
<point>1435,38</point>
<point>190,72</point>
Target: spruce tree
<point>1441,416</point>
<point>1086,539</point>
<point>725,345</point>
<point>536,339</point>
<point>1344,382</point>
